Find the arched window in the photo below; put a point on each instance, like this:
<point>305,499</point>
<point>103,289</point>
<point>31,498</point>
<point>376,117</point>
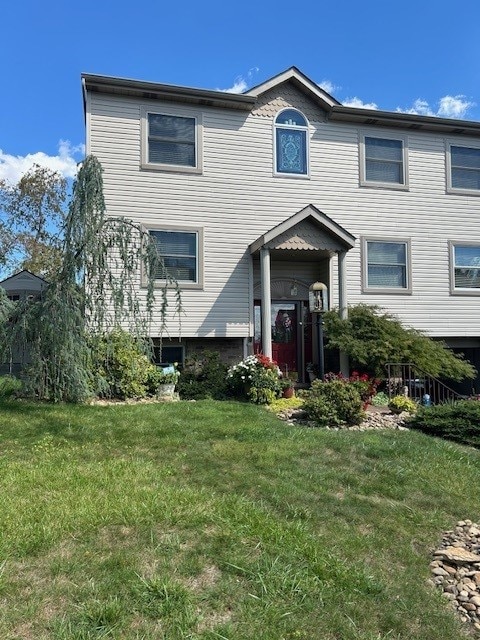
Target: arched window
<point>291,143</point>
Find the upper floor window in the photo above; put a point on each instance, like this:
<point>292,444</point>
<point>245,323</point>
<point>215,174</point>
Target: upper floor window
<point>386,266</point>
<point>383,162</point>
<point>463,169</point>
<point>466,268</point>
<point>171,142</point>
<point>291,143</point>
<point>182,254</point>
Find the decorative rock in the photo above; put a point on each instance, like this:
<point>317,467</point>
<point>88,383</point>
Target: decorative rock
<point>459,555</point>
<point>455,569</point>
<point>375,418</point>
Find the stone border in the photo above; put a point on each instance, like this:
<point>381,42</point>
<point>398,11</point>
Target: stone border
<point>456,570</point>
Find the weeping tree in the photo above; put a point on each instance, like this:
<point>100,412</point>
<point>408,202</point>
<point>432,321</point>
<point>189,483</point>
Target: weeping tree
<point>95,292</point>
<point>372,337</point>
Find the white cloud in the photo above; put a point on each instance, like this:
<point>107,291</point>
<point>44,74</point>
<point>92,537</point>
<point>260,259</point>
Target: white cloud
<point>454,106</point>
<point>65,162</point>
<point>448,107</point>
<point>328,86</point>
<point>242,82</point>
<point>359,104</point>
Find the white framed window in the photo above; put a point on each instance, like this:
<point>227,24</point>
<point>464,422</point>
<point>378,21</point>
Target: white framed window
<point>386,265</point>
<point>463,169</point>
<point>181,250</point>
<point>291,144</point>
<point>171,142</point>
<point>383,161</point>
<point>465,268</point>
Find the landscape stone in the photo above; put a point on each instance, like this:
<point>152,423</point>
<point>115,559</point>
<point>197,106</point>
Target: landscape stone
<point>455,567</point>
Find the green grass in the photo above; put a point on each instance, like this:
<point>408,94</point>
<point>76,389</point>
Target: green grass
<point>215,520</point>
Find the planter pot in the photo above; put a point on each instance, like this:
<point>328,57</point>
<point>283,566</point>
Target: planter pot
<point>165,390</point>
<point>289,392</point>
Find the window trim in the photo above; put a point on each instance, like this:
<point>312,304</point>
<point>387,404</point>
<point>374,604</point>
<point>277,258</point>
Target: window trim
<point>177,168</point>
<point>408,266</point>
<point>458,291</point>
<point>448,156</point>
<point>403,186</point>
<point>306,129</point>
<point>183,284</point>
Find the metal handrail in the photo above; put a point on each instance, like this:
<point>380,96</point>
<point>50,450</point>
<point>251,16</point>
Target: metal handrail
<point>408,379</point>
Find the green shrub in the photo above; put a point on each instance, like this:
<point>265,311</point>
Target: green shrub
<point>9,386</point>
<point>402,403</point>
<point>458,421</point>
<point>120,366</point>
<point>204,376</point>
<point>380,399</point>
<point>333,403</point>
<point>257,379</point>
<point>372,338</point>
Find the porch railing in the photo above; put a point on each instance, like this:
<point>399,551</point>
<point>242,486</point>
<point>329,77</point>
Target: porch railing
<point>407,378</point>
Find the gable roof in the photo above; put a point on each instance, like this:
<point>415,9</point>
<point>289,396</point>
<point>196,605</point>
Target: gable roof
<point>23,278</point>
<point>303,225</point>
<point>302,82</point>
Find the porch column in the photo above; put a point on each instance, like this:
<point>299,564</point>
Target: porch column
<point>343,306</point>
<point>342,285</point>
<point>266,302</point>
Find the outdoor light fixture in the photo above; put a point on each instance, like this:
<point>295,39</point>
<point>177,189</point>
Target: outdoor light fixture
<point>318,297</point>
<point>318,304</point>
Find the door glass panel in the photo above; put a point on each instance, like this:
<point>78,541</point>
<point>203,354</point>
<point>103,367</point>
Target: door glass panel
<point>284,335</point>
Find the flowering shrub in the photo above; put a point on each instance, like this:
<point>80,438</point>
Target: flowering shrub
<point>257,379</point>
<point>362,382</point>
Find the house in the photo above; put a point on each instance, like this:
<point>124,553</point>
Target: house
<point>20,287</point>
<point>251,198</point>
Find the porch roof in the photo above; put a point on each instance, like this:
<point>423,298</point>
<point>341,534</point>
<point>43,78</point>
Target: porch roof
<point>307,230</point>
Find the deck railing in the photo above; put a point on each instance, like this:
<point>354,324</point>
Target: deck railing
<point>408,379</point>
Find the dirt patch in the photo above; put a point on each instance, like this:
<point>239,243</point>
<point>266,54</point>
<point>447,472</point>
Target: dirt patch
<point>208,577</point>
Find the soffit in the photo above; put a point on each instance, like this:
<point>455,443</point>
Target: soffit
<point>174,93</point>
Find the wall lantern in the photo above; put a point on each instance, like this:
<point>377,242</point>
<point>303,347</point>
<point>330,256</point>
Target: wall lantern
<point>318,297</point>
<point>318,304</point>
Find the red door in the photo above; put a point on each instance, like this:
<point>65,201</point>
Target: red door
<point>291,330</point>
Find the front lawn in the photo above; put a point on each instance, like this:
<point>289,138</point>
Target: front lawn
<point>215,520</point>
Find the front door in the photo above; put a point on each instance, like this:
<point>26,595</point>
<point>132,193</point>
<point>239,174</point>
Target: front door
<point>291,335</point>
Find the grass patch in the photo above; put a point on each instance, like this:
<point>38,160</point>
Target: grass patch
<point>216,520</point>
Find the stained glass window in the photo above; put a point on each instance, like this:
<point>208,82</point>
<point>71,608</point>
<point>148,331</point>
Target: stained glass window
<point>291,143</point>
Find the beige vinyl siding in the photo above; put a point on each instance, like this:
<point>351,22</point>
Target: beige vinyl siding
<point>237,198</point>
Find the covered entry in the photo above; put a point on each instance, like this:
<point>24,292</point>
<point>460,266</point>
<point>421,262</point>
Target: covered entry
<point>286,260</point>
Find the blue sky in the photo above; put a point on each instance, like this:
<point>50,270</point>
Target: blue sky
<point>409,55</point>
